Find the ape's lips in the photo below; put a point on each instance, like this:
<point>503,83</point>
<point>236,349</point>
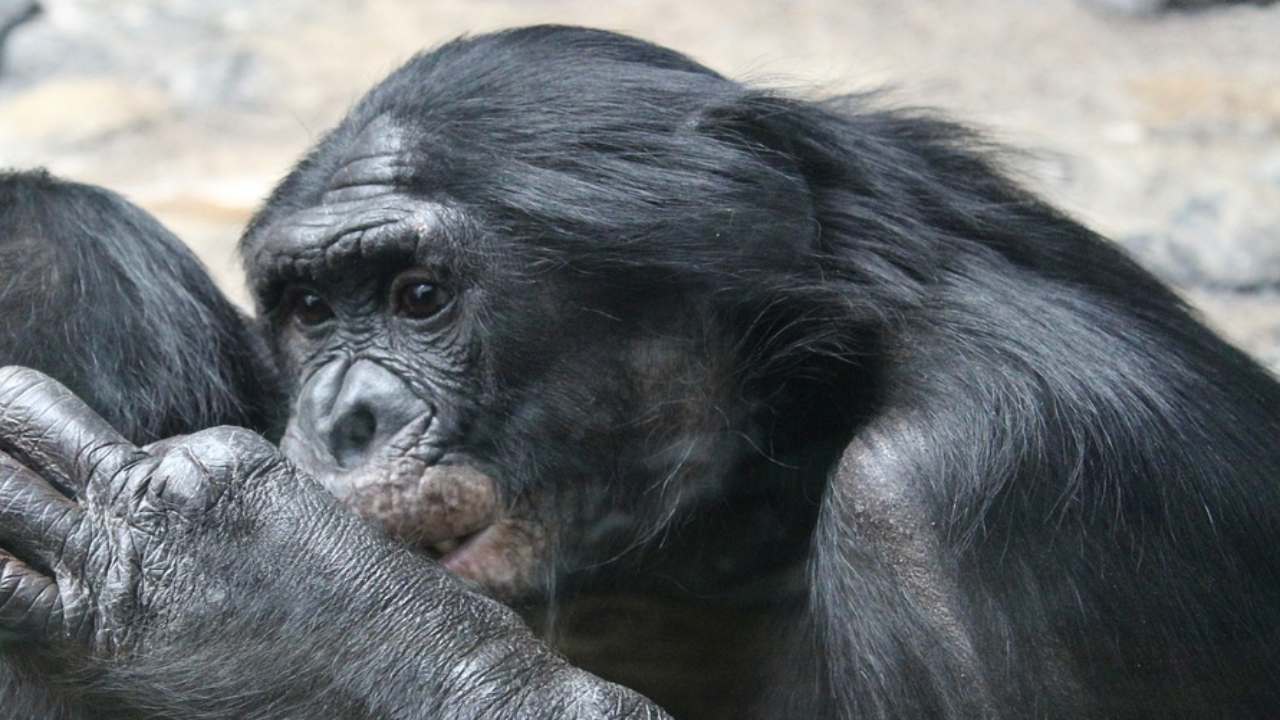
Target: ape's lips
<point>450,512</point>
<point>437,507</point>
<point>439,503</point>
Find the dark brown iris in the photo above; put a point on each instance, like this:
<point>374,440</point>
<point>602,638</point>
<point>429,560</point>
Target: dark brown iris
<point>307,307</point>
<point>418,299</point>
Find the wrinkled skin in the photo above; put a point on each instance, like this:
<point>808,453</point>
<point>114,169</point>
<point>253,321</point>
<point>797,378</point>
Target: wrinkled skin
<point>110,530</point>
<point>759,407</point>
<point>518,457</point>
<point>121,554</point>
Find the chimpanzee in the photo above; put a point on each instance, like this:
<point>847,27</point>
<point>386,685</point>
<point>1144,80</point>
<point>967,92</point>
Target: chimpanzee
<point>751,406</point>
<point>97,294</point>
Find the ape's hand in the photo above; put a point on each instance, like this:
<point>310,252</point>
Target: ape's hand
<point>110,549</point>
<point>205,574</point>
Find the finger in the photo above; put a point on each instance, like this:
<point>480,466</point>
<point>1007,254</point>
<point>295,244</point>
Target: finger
<point>160,447</point>
<point>29,600</point>
<point>54,433</point>
<point>36,521</point>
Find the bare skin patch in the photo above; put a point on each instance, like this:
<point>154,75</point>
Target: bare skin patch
<point>440,503</point>
<point>502,559</point>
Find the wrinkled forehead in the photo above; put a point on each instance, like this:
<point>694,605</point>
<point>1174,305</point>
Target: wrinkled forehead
<point>357,210</point>
<point>377,158</point>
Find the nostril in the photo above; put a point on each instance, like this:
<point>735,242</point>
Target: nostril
<point>352,435</point>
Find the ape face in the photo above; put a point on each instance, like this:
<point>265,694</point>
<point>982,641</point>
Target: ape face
<point>502,297</point>
<point>462,392</point>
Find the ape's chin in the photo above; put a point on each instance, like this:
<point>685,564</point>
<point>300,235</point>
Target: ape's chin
<point>447,509</point>
<point>502,560</point>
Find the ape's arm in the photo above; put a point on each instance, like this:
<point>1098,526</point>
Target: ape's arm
<point>207,578</point>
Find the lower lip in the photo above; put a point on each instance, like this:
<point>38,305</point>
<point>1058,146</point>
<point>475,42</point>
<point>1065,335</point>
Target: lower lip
<point>455,557</point>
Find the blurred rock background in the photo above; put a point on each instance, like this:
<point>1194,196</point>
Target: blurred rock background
<point>1160,129</point>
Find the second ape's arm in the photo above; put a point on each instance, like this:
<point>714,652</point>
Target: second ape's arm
<point>207,578</point>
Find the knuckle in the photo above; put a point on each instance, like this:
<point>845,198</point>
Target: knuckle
<point>237,439</point>
<point>19,375</point>
<point>113,483</point>
<point>232,447</point>
<point>215,447</point>
<point>180,481</point>
<point>195,471</point>
<point>16,382</point>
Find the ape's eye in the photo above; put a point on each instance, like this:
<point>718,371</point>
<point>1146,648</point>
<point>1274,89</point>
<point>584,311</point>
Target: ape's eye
<point>418,298</point>
<point>307,307</point>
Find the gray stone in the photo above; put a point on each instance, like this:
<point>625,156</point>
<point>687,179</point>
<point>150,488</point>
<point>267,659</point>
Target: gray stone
<point>13,14</point>
<point>1201,245</point>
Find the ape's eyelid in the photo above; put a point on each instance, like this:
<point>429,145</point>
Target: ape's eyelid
<point>305,305</point>
<point>373,261</point>
<point>419,294</point>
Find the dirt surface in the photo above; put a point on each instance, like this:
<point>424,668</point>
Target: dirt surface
<point>1162,131</point>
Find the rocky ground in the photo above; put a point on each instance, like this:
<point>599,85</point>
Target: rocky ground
<point>1163,130</point>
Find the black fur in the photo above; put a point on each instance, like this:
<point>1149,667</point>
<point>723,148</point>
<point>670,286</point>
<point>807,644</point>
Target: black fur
<point>1031,483</point>
<point>100,296</point>
<point>97,294</point>
<point>1098,469</point>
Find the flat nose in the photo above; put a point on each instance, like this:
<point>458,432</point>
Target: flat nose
<point>366,406</point>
